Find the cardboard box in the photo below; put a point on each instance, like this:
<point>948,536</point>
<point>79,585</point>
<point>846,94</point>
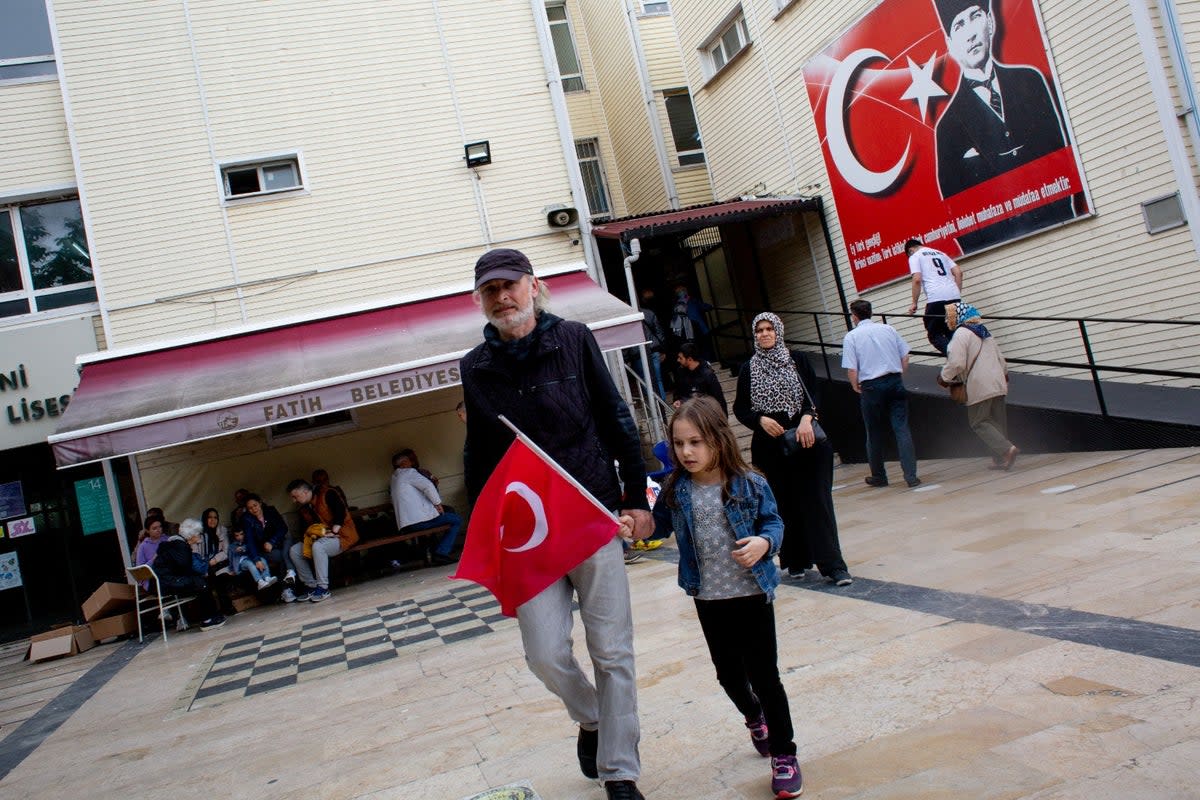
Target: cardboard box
<point>68,640</point>
<point>119,625</point>
<point>109,599</point>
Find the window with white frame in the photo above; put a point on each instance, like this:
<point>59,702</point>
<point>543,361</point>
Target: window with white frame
<point>685,132</point>
<point>255,178</point>
<point>594,182</point>
<point>564,47</point>
<point>305,428</point>
<point>730,40</point>
<point>45,263</point>
<point>25,47</point>
<point>656,8</point>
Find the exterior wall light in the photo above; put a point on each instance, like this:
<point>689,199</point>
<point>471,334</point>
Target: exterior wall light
<point>478,153</point>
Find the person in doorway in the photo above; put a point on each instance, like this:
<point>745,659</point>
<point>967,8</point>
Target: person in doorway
<point>547,376</point>
<point>326,508</point>
<point>688,323</point>
<point>418,506</point>
<point>728,527</point>
<point>774,399</point>
<point>695,378</point>
<point>460,411</point>
<point>975,359</point>
<point>875,356</point>
<point>936,274</point>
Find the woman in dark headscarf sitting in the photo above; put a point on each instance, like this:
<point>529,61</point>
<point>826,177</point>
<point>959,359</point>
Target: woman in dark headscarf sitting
<point>774,399</point>
<point>974,358</point>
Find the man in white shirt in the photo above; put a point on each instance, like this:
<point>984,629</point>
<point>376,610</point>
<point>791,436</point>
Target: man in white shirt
<point>875,357</point>
<point>941,279</point>
<point>418,507</point>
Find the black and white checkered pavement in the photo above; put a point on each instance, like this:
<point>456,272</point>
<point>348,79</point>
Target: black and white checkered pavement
<point>317,649</point>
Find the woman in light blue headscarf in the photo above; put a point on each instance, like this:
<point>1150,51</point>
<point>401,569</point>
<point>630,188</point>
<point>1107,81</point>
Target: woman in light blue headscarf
<point>974,358</point>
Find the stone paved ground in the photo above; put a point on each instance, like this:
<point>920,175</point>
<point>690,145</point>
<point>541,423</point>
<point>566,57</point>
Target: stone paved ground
<point>1034,634</point>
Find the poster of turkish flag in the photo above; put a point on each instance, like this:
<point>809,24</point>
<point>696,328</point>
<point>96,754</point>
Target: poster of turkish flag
<point>941,120</point>
<point>530,526</point>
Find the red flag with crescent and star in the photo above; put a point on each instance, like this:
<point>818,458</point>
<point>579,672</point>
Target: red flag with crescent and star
<point>531,525</point>
<point>911,148</point>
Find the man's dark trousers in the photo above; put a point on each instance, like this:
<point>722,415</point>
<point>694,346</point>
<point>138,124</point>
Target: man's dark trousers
<point>936,329</point>
<point>884,403</point>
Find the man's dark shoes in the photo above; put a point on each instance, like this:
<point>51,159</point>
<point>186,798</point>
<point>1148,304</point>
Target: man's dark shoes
<point>440,560</point>
<point>841,578</point>
<point>913,482</point>
<point>585,748</point>
<point>623,790</point>
<point>871,480</point>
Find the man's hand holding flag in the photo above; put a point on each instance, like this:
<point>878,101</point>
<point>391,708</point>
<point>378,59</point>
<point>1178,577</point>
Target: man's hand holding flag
<point>531,525</point>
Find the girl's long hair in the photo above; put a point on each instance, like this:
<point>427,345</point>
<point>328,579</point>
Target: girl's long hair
<point>706,415</point>
<point>212,543</point>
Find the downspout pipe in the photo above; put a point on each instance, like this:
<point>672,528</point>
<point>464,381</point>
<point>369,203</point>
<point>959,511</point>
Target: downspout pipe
<point>558,102</point>
<point>635,252</point>
<point>1190,114</point>
<point>837,274</point>
<point>656,131</point>
<point>1176,150</point>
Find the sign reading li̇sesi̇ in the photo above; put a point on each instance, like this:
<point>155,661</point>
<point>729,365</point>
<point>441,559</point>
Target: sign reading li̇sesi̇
<point>942,120</point>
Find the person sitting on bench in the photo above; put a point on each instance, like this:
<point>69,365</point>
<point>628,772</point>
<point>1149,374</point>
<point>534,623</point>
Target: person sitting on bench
<point>323,506</point>
<point>419,507</point>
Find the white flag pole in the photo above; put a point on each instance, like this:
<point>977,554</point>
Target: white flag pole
<point>550,462</point>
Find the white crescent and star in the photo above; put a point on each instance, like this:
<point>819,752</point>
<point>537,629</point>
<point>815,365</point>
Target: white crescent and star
<point>540,528</point>
<point>922,89</point>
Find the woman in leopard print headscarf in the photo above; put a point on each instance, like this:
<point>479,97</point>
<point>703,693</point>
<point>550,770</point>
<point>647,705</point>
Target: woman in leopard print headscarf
<point>774,399</point>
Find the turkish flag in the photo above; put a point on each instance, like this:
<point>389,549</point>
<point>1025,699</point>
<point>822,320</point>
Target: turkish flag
<point>530,526</point>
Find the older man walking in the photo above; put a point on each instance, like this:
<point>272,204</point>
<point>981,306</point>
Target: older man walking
<point>875,356</point>
<point>547,376</point>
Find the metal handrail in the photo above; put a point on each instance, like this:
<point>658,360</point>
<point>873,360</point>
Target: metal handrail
<point>1090,366</point>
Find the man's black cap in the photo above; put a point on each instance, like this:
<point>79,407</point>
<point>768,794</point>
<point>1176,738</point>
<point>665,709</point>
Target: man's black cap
<point>949,9</point>
<point>504,263</point>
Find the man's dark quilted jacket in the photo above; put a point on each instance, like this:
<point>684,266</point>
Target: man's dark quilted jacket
<point>562,397</point>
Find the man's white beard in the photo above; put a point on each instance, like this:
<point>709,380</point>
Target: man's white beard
<point>513,321</point>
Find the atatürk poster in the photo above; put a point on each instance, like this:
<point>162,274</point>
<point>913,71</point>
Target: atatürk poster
<point>942,120</point>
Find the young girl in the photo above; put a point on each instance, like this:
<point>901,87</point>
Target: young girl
<point>729,529</point>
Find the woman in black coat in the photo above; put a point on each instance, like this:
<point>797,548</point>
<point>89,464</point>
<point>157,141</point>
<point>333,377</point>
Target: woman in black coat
<point>773,397</point>
<point>181,571</point>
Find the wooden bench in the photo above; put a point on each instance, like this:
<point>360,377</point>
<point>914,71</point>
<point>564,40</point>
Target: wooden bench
<point>377,528</point>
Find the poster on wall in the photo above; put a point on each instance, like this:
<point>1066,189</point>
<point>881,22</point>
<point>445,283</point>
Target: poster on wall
<point>21,527</point>
<point>12,500</point>
<point>95,512</point>
<point>942,120</point>
<point>10,571</point>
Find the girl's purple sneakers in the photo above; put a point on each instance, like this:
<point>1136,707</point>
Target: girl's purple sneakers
<point>786,780</point>
<point>758,735</point>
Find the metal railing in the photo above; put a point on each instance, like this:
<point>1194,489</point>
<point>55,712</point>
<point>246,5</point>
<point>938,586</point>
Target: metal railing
<point>1080,324</point>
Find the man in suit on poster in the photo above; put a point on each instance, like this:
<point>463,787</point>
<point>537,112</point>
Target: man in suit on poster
<point>1000,118</point>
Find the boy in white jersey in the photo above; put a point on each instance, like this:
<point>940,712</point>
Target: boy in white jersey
<point>941,279</point>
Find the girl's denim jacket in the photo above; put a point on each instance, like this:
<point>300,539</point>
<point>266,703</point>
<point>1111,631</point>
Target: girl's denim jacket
<point>751,511</point>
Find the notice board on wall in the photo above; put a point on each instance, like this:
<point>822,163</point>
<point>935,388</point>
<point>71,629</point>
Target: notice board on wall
<point>95,512</point>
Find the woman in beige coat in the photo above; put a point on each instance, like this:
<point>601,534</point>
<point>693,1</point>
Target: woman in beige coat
<point>975,359</point>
